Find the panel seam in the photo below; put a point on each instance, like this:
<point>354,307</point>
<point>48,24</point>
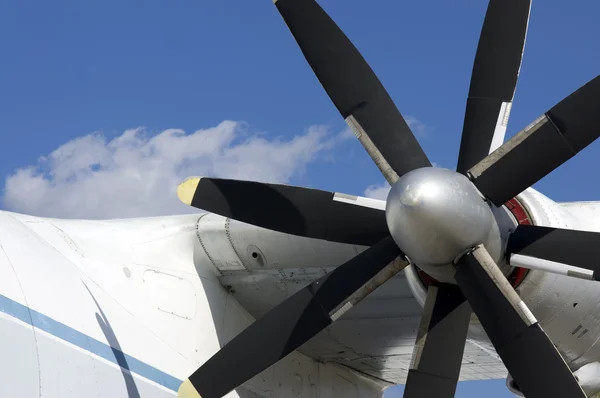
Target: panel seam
<point>228,233</point>
<point>204,246</point>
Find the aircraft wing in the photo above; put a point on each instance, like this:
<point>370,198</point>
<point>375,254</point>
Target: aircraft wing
<point>259,268</point>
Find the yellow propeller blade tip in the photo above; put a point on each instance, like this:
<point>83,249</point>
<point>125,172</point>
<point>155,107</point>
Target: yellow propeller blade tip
<point>187,189</point>
<point>187,390</point>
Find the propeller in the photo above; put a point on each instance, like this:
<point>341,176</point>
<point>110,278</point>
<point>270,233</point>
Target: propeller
<point>443,221</point>
<point>556,245</point>
<point>552,139</point>
<point>304,212</point>
<point>443,328</point>
<point>528,353</point>
<point>293,322</point>
<point>493,80</point>
<point>354,89</point>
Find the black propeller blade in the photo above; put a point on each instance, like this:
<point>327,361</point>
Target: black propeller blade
<point>354,89</point>
<point>293,322</point>
<point>529,355</point>
<point>577,248</point>
<point>292,210</point>
<point>494,78</point>
<point>443,330</point>
<point>548,142</point>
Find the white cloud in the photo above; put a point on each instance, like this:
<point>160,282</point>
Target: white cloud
<point>378,191</point>
<point>418,128</point>
<point>136,174</point>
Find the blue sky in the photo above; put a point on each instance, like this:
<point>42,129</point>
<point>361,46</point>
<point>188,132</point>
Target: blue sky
<point>70,69</point>
<point>467,389</point>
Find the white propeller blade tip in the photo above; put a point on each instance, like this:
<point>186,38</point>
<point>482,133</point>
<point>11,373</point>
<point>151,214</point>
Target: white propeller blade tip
<point>187,189</point>
<point>187,390</point>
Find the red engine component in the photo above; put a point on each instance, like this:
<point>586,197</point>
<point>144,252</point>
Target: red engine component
<point>517,210</point>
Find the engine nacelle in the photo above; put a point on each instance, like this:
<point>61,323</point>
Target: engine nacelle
<point>528,208</point>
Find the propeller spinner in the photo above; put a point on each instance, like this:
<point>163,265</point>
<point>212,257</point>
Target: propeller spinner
<point>436,215</point>
<point>446,222</point>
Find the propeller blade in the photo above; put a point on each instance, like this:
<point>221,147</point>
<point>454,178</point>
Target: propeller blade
<point>493,80</point>
<point>578,248</point>
<point>293,210</point>
<point>529,355</point>
<point>354,89</point>
<point>443,329</point>
<point>293,322</point>
<point>548,142</point>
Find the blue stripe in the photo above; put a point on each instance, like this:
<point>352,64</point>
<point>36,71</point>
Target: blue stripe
<point>85,342</point>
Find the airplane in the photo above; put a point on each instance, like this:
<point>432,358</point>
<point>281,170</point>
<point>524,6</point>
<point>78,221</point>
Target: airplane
<point>283,291</point>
